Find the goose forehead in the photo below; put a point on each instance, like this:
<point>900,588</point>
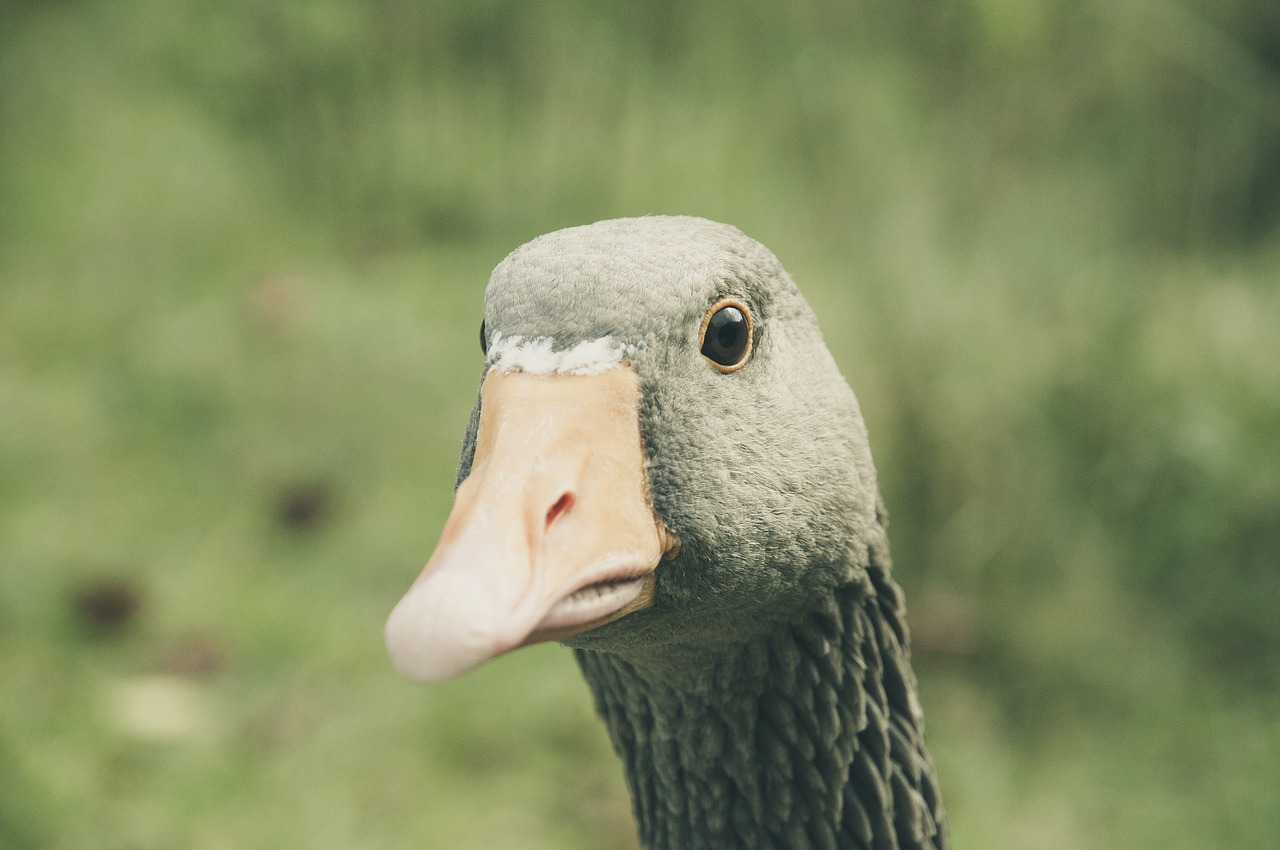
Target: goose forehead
<point>590,297</point>
<point>626,269</point>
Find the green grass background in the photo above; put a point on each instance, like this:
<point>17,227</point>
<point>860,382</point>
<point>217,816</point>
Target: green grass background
<point>242,251</point>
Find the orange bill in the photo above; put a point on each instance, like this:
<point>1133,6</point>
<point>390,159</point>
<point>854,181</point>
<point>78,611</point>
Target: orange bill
<point>552,533</point>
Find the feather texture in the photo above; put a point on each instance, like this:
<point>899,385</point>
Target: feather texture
<point>808,736</point>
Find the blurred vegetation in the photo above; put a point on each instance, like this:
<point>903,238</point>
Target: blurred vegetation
<point>242,248</point>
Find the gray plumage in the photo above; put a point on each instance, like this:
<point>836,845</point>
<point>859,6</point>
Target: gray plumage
<point>766,698</point>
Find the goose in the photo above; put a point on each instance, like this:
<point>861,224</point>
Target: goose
<point>665,471</point>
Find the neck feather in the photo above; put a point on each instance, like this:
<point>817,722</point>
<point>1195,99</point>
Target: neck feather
<point>809,735</point>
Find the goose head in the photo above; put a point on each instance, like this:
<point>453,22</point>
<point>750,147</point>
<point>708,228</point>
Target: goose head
<point>663,456</point>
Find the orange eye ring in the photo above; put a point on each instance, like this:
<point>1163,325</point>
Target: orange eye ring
<point>727,335</point>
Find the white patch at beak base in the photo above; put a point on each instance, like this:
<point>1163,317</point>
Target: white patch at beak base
<point>538,357</point>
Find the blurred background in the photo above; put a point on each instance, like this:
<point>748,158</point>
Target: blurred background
<point>242,253</point>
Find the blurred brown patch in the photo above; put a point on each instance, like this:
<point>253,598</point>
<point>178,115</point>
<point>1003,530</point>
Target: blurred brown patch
<point>942,626</point>
<point>106,606</point>
<point>278,304</point>
<point>305,506</point>
<point>195,656</point>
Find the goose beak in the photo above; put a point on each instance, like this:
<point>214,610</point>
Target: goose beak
<point>552,533</point>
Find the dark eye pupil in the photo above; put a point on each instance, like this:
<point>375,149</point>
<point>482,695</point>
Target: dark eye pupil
<point>484,339</point>
<point>729,335</point>
<point>725,341</point>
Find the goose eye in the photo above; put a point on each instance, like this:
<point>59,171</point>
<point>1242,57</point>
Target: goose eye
<point>484,339</point>
<point>726,335</point>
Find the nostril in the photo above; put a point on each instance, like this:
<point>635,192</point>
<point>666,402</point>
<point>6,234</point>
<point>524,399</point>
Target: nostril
<point>561,506</point>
